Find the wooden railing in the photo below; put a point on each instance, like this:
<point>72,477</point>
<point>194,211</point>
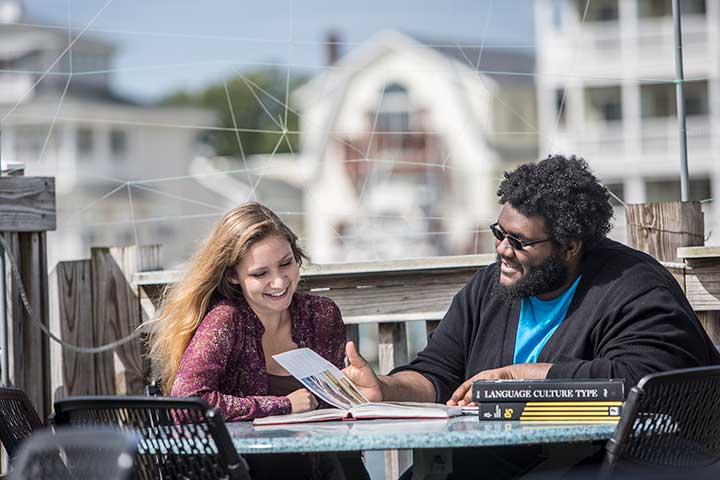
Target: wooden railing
<point>99,300</point>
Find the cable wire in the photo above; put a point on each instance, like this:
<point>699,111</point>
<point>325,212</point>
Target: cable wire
<point>139,331</point>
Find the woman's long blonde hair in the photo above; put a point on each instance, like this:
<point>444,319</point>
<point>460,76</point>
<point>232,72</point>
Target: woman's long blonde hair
<point>207,278</point>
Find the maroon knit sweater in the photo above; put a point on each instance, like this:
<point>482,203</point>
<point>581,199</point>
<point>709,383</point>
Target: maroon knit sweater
<point>224,362</point>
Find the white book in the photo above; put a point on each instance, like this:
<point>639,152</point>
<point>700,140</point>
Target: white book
<point>366,411</point>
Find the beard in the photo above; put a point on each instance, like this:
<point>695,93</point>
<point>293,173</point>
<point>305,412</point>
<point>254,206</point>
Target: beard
<point>549,275</point>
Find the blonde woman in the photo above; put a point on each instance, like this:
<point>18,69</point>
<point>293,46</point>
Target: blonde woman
<point>235,308</point>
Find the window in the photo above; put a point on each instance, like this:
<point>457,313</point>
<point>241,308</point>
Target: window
<point>118,143</point>
<point>604,103</point>
<point>669,190</point>
<point>663,8</point>
<point>30,140</point>
<point>90,237</point>
<point>34,60</point>
<point>561,101</point>
<point>394,112</point>
<point>84,142</point>
<point>126,237</point>
<point>659,100</point>
<point>598,10</point>
<point>89,61</point>
<point>165,232</point>
<point>393,121</point>
<point>696,98</point>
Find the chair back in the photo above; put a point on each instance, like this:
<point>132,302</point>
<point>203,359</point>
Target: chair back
<point>70,454</point>
<point>179,437</point>
<point>18,419</point>
<point>670,422</point>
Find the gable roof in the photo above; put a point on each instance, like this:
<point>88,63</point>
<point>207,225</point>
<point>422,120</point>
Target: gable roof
<point>498,63</point>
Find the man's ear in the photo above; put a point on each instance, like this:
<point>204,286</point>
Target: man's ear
<point>572,250</point>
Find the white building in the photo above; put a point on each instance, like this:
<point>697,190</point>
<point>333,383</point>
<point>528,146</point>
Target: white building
<point>62,119</point>
<point>403,144</point>
<point>613,76</point>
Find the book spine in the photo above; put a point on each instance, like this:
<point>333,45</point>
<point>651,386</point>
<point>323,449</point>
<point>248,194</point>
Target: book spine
<point>494,392</point>
<point>552,411</point>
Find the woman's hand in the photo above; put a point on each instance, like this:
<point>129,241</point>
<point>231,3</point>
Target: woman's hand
<point>302,401</point>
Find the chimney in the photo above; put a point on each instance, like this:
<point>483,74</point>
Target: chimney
<point>332,47</point>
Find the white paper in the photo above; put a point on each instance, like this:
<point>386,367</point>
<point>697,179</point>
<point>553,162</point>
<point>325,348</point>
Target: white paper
<point>321,377</point>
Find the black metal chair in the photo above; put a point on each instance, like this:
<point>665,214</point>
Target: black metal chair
<point>670,427</point>
<point>18,419</point>
<point>179,437</point>
<point>76,454</point>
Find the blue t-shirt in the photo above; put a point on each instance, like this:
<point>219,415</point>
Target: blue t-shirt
<point>538,321</point>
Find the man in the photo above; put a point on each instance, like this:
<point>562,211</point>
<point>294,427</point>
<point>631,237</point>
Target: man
<point>562,301</point>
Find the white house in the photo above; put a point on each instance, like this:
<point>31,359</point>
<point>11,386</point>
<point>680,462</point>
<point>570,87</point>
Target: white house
<point>606,92</point>
<point>403,142</point>
<point>61,118</point>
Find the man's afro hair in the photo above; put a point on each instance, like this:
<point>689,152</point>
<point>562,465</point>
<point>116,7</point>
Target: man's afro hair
<point>565,193</point>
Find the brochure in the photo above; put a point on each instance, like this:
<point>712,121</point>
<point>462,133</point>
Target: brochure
<point>327,382</point>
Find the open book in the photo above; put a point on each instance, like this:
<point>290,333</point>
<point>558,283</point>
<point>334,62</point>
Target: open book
<point>324,380</point>
<point>368,410</point>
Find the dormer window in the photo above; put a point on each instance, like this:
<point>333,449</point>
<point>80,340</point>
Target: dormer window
<point>394,113</point>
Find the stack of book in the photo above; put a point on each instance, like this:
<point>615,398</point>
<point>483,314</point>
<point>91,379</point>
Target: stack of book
<point>568,401</point>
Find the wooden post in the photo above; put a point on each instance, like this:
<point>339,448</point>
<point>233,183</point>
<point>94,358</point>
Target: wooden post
<point>392,345</point>
<point>393,351</point>
<point>352,333</point>
<point>430,326</point>
<point>27,204</point>
<point>702,281</point>
<point>72,282</point>
<point>27,211</point>
<point>117,314</point>
<point>659,229</point>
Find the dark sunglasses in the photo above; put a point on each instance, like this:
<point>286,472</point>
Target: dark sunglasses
<point>514,242</point>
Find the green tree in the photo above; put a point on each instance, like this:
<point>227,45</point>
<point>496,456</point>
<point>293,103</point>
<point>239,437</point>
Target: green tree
<point>258,103</point>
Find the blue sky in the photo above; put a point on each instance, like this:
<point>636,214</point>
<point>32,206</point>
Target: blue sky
<point>165,45</point>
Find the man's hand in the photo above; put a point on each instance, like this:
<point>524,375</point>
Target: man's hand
<point>463,395</point>
<point>361,374</point>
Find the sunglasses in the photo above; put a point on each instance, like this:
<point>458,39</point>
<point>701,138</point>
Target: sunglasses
<point>514,242</point>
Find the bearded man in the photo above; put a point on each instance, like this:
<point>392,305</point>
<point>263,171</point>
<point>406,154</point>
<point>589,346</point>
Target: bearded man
<point>562,301</point>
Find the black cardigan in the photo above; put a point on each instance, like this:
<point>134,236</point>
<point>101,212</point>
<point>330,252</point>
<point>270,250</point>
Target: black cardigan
<point>628,318</point>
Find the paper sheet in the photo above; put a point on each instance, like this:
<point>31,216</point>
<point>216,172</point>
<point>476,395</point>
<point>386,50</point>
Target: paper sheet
<point>321,377</point>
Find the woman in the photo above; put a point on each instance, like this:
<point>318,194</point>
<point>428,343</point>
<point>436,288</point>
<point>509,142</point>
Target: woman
<point>235,308</point>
